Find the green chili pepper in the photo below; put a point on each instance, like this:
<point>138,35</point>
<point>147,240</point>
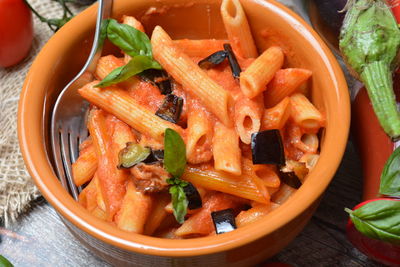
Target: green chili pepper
<point>370,42</point>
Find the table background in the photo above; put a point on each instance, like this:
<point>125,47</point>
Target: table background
<point>39,238</point>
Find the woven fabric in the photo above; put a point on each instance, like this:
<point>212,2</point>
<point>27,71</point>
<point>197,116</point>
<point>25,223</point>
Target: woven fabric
<point>16,186</point>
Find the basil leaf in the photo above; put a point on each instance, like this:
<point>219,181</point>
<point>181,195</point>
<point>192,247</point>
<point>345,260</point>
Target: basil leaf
<point>390,178</point>
<point>135,65</point>
<point>179,202</point>
<point>103,32</point>
<point>174,153</point>
<point>4,262</point>
<point>378,219</point>
<point>132,41</point>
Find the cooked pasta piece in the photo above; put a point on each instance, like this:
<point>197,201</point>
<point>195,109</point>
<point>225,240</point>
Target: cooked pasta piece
<point>257,212</point>
<point>111,180</point>
<point>85,166</point>
<point>255,78</point>
<point>226,151</point>
<point>199,48</point>
<point>158,213</point>
<point>304,113</point>
<point>241,186</point>
<point>266,173</point>
<point>189,74</point>
<point>88,196</point>
<point>107,64</point>
<point>285,83</point>
<point>310,160</point>
<point>199,134</point>
<point>135,210</point>
<point>276,117</point>
<point>247,116</point>
<point>201,222</point>
<point>284,193</point>
<point>119,103</point>
<point>238,29</point>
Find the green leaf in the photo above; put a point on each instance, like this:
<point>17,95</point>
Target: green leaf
<point>179,202</point>
<point>4,262</point>
<point>390,178</point>
<point>174,153</point>
<point>378,219</point>
<point>132,41</point>
<point>103,32</point>
<point>135,65</point>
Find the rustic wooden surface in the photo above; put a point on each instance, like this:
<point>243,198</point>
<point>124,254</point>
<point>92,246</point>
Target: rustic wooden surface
<point>39,238</point>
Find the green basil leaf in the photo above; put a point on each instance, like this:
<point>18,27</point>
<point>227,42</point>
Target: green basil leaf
<point>174,153</point>
<point>4,262</point>
<point>103,32</point>
<point>390,178</point>
<point>179,202</point>
<point>135,65</point>
<point>132,41</point>
<point>378,219</point>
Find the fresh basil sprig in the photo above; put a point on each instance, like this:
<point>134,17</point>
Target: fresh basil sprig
<point>175,163</point>
<point>390,178</point>
<point>135,66</point>
<point>378,219</point>
<point>4,262</point>
<point>135,44</point>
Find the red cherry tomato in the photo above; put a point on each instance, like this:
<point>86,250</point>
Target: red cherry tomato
<point>395,4</point>
<point>378,250</point>
<point>16,31</point>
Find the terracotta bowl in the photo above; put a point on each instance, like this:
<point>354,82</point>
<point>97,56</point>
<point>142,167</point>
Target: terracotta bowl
<point>271,23</point>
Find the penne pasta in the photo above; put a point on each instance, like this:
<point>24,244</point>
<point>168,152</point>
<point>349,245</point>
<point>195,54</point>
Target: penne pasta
<point>193,79</point>
<point>117,102</point>
<point>157,213</point>
<point>285,83</point>
<point>284,193</point>
<point>199,48</point>
<point>226,151</point>
<point>310,160</point>
<point>238,29</point>
<point>254,214</point>
<point>304,113</point>
<point>85,166</point>
<point>277,116</point>
<point>88,196</point>
<point>199,138</point>
<point>247,117</point>
<point>107,64</point>
<point>111,180</point>
<point>254,80</point>
<point>266,173</point>
<point>241,186</point>
<point>135,210</point>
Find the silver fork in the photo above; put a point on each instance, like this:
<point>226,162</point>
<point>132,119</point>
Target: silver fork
<point>68,125</point>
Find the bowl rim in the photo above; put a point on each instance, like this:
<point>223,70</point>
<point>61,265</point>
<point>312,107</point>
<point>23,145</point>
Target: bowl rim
<point>34,156</point>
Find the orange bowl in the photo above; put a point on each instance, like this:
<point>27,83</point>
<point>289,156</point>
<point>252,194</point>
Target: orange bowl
<point>271,23</point>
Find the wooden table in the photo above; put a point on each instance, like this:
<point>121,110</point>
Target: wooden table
<point>39,238</point>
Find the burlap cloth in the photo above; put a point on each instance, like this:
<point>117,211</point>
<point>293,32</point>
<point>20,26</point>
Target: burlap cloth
<point>16,186</point>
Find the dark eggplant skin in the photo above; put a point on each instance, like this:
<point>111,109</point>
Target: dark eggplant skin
<point>267,148</point>
<point>213,59</point>
<point>233,63</point>
<point>193,197</point>
<point>224,221</point>
<point>171,108</point>
<point>290,179</point>
<point>329,11</point>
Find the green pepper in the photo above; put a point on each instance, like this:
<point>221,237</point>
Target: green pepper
<point>4,262</point>
<point>132,154</point>
<point>369,42</point>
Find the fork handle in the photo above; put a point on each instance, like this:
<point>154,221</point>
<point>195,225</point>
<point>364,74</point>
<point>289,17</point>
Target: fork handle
<point>103,12</point>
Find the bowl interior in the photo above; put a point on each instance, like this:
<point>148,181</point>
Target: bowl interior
<point>271,24</point>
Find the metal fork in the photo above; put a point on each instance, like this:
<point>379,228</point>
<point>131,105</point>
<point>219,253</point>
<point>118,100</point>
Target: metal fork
<point>68,121</point>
